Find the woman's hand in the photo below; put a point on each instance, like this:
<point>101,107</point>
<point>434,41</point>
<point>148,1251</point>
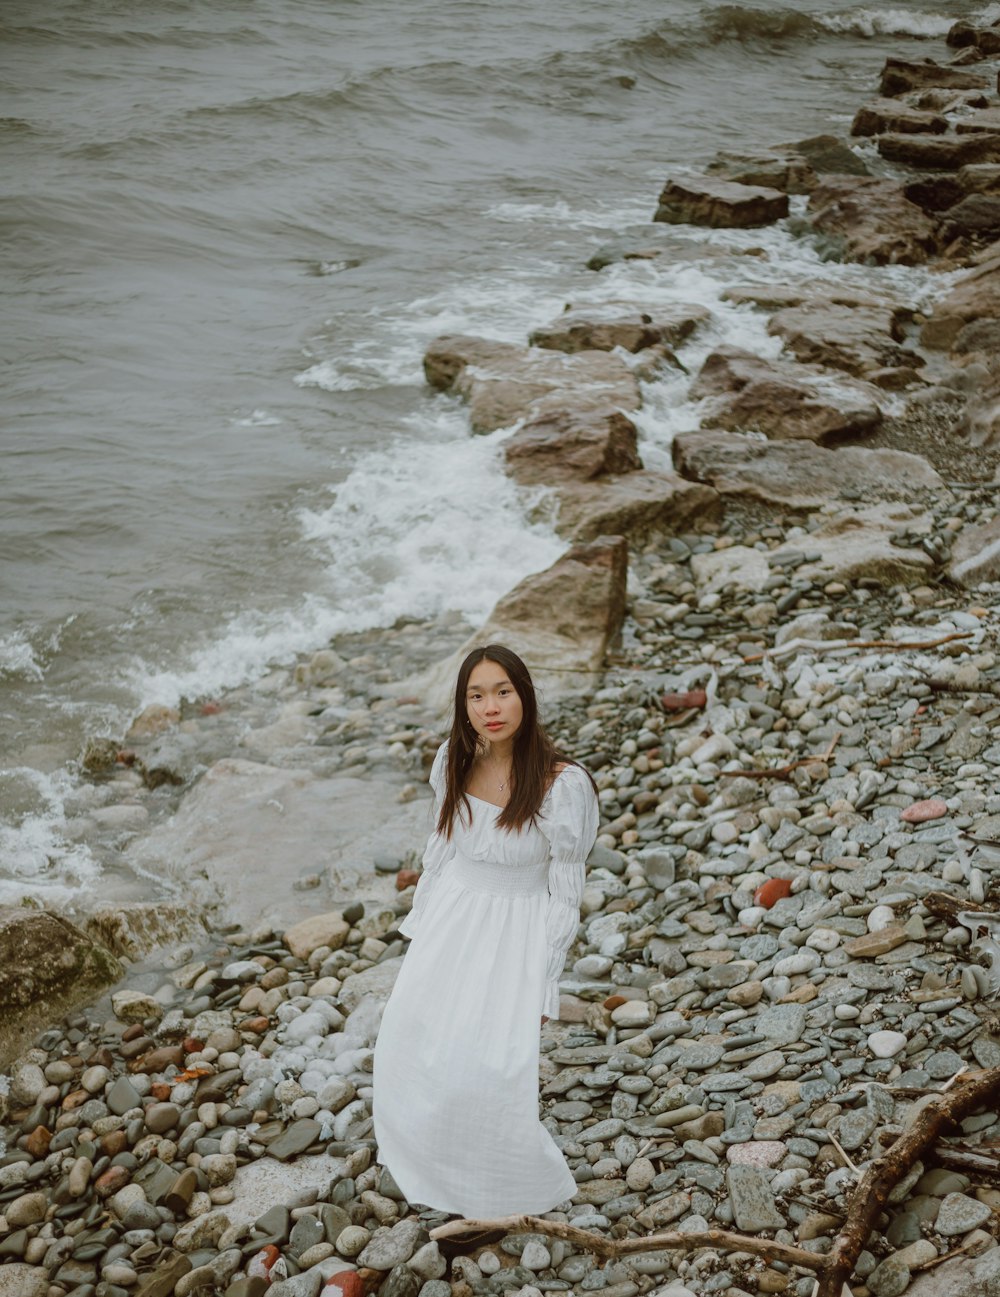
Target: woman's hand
<point>544,1020</point>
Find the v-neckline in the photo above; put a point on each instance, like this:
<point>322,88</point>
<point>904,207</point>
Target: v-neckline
<point>484,801</point>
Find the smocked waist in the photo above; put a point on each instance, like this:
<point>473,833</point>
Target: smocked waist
<point>500,879</point>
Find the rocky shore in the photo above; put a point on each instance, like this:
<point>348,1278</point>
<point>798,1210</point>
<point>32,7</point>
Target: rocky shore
<point>779,657</point>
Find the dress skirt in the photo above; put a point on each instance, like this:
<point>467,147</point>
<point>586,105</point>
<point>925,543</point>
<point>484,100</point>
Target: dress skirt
<point>456,1060</point>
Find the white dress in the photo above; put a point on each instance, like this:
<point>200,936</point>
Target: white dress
<point>455,1101</point>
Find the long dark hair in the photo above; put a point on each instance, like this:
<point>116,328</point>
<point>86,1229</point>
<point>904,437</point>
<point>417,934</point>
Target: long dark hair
<point>535,758</point>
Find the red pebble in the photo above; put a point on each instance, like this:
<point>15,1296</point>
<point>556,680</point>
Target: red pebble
<point>125,757</point>
<point>37,1142</point>
<point>257,1025</point>
<point>348,1283</point>
<point>682,702</point>
<point>771,891</point>
<point>211,709</point>
<point>613,1001</point>
<point>192,1045</point>
<point>113,1179</point>
<point>161,1091</point>
<point>406,878</point>
<point>931,809</point>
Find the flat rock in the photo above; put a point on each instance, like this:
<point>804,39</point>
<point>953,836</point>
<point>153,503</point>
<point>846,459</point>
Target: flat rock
<point>975,555</point>
<point>635,505</point>
<point>856,339</point>
<point>296,1139</point>
<point>377,981</point>
<point>875,943</point>
<point>739,566</point>
<point>704,200</point>
<point>962,1277</point>
<point>858,543</point>
<point>872,221</point>
<point>329,929</point>
<point>781,168</point>
<point>606,325</point>
<point>504,383</point>
<point>798,475</point>
<point>18,1280</point>
<point>940,152</point>
<point>757,1152</point>
<point>752,1200</point>
<point>883,115</point>
<point>782,399</point>
<point>899,76</point>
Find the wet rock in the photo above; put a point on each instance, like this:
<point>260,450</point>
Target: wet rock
<point>504,383</point>
<point>974,297</point>
<point>872,221</point>
<point>857,339</point>
<point>798,475</point>
<point>786,170</point>
<point>572,445</point>
<point>635,505</point>
<point>604,326</point>
<point>781,399</point>
<point>703,200</point>
<point>940,152</point>
<point>894,115</point>
<point>134,929</point>
<point>899,76</point>
<point>47,966</point>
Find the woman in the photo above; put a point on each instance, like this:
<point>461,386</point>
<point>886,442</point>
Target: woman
<point>455,1099</point>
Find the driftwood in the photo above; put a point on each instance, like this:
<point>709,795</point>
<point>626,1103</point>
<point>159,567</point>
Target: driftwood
<point>783,772</point>
<point>837,645</point>
<point>833,1269</point>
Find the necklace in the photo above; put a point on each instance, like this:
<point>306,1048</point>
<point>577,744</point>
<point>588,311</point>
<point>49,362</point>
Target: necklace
<point>502,783</point>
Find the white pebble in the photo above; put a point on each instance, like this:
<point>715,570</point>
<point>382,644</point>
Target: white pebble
<point>879,917</point>
<point>846,1012</point>
<point>751,916</point>
<point>823,939</point>
<point>953,871</point>
<point>886,1044</point>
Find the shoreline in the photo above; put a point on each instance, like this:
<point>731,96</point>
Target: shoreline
<point>718,894</point>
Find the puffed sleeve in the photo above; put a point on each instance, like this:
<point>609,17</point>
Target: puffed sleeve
<point>571,826</point>
<point>438,852</point>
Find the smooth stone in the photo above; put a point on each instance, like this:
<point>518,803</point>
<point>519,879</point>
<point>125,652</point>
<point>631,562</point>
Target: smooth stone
<point>886,1044</point>
<point>296,1139</point>
<point>959,1213</point>
<point>752,1200</point>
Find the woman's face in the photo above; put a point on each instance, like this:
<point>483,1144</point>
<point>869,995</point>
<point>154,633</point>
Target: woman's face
<point>492,703</point>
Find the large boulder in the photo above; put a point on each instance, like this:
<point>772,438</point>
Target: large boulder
<point>940,152</point>
<point>607,325</point>
<point>872,221</point>
<point>859,544</point>
<point>704,200</point>
<point>561,621</point>
<point>242,816</point>
<point>963,35</point>
<point>900,76</point>
<point>47,968</point>
<point>134,929</point>
<point>858,339</point>
<point>635,505</point>
<point>891,115</point>
<point>781,169</point>
<point>980,421</point>
<point>571,445</point>
<point>974,298</point>
<point>828,156</point>
<point>798,475</point>
<point>976,217</point>
<point>782,399</point>
<point>504,383</point>
<point>975,555</point>
<point>982,121</point>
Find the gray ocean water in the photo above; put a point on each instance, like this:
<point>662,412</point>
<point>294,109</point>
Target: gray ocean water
<point>228,230</point>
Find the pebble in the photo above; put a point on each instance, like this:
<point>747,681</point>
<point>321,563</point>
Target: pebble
<point>886,1044</point>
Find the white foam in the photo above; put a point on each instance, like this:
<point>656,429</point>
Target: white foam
<point>38,859</point>
<point>18,657</point>
<point>258,419</point>
<point>561,215</point>
<point>888,22</point>
<point>429,525</point>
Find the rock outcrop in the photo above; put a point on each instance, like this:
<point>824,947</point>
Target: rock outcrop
<point>872,221</point>
<point>799,475</point>
<point>703,200</point>
<point>859,339</point>
<point>782,399</point>
<point>48,966</point>
<point>608,325</point>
